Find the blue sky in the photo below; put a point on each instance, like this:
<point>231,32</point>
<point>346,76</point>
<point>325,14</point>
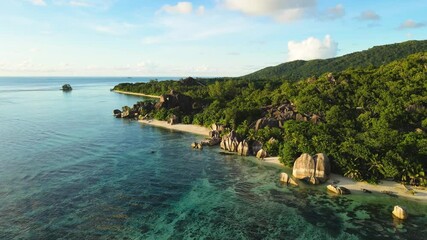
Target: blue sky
<point>193,38</point>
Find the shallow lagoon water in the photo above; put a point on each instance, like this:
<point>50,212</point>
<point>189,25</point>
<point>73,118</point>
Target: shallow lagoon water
<point>69,170</point>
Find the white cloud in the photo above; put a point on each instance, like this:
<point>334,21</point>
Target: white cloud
<point>368,16</point>
<point>29,66</point>
<point>281,10</point>
<point>201,10</point>
<point>114,28</point>
<point>79,4</point>
<point>38,2</point>
<point>98,4</point>
<point>179,8</point>
<point>312,48</point>
<point>335,12</point>
<point>408,24</point>
<point>193,28</point>
<point>146,66</point>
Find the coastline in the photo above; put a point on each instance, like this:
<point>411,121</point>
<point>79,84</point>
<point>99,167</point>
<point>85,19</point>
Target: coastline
<point>356,187</point>
<point>190,128</point>
<point>136,94</point>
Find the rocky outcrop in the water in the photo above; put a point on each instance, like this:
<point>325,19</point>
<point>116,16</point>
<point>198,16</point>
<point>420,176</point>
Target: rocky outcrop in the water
<point>284,178</point>
<point>66,87</point>
<point>312,169</point>
<point>117,113</point>
<point>175,100</point>
<point>400,212</point>
<point>338,190</point>
<point>197,145</point>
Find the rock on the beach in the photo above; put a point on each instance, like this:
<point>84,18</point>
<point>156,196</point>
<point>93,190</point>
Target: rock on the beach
<point>243,148</point>
<point>256,146</point>
<point>303,167</point>
<point>315,169</point>
<point>261,154</point>
<point>173,120</point>
<point>323,167</point>
<point>233,145</point>
<point>222,143</point>
<point>400,212</point>
<point>214,134</point>
<point>338,190</point>
<point>217,127</point>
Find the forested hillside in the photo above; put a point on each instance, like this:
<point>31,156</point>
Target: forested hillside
<point>371,122</point>
<point>373,57</point>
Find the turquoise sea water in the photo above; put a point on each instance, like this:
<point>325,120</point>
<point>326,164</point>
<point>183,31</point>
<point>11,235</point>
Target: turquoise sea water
<point>69,170</point>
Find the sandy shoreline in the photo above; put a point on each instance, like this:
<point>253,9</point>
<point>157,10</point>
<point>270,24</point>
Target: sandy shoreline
<point>136,94</point>
<point>356,187</point>
<point>199,130</point>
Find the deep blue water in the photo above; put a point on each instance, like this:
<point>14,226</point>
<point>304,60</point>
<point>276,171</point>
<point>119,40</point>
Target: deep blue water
<point>69,170</point>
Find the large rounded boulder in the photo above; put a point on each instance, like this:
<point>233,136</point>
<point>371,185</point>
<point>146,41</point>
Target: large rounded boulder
<point>314,170</point>
<point>303,167</point>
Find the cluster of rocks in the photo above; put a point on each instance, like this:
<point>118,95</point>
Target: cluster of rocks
<point>213,139</point>
<point>176,100</point>
<point>278,115</point>
<point>232,142</point>
<point>173,100</point>
<point>136,111</point>
<point>286,179</point>
<point>314,170</point>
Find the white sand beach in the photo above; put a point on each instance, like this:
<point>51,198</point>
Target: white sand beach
<point>356,187</point>
<point>200,130</point>
<point>136,94</point>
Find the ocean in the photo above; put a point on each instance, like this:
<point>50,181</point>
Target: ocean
<point>70,170</point>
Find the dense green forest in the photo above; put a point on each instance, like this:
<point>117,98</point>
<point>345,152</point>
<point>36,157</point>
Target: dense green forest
<point>370,121</point>
<point>373,57</point>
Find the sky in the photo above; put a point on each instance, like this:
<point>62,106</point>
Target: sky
<point>197,38</point>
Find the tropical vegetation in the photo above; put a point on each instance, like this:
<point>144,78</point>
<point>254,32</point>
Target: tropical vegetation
<point>372,120</point>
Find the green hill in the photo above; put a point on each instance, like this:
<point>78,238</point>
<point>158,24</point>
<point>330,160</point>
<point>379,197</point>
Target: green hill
<point>375,57</point>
